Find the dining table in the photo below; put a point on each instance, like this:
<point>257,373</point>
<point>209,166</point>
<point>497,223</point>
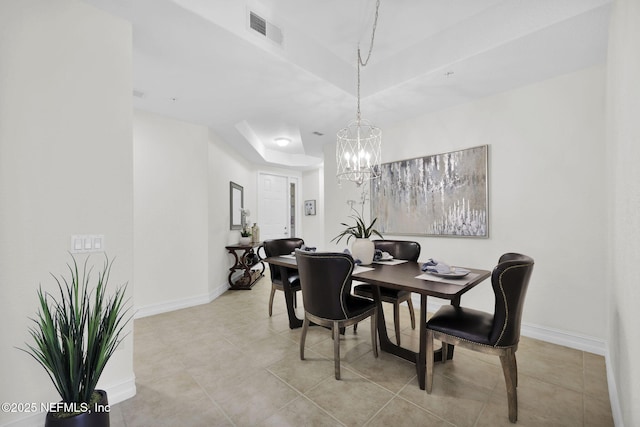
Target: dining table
<point>401,275</point>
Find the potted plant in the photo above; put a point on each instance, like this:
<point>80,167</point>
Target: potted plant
<point>362,248</point>
<point>75,334</point>
<point>245,236</point>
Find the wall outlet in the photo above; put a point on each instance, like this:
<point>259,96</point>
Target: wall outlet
<point>84,243</point>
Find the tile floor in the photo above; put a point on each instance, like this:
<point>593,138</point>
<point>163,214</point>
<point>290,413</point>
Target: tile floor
<point>228,363</point>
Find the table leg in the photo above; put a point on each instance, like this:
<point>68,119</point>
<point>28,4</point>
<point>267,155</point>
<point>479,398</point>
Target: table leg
<point>419,358</point>
<point>450,349</point>
<point>421,365</point>
<point>383,337</point>
<point>294,321</point>
<point>385,343</point>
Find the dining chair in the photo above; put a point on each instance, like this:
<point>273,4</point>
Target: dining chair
<point>496,333</point>
<point>277,247</point>
<point>325,278</point>
<point>398,249</point>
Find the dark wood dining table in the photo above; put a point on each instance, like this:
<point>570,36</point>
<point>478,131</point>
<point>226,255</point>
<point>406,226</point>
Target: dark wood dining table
<point>404,277</point>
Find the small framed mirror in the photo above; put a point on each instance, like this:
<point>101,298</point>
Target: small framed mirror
<point>236,203</point>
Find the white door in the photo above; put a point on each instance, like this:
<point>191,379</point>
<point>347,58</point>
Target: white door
<point>273,206</point>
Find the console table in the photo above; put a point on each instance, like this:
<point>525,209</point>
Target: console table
<point>245,260</point>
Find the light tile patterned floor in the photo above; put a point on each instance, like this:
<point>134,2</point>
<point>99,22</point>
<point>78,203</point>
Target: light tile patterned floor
<point>228,363</point>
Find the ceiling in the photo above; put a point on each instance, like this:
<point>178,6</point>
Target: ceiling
<point>199,61</point>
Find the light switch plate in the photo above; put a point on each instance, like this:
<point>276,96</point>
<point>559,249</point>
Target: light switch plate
<point>84,243</point>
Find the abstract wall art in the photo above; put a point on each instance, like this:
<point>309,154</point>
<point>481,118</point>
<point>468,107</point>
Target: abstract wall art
<point>437,195</point>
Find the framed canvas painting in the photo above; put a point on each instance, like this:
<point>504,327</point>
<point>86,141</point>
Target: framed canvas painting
<point>437,195</point>
<point>309,207</point>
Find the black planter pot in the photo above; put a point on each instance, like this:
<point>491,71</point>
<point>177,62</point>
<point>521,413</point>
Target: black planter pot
<point>95,416</point>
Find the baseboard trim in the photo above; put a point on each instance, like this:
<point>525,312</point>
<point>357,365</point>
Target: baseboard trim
<point>165,307</point>
<point>543,333</point>
<point>122,391</point>
<point>616,410</point>
<point>218,291</point>
<point>564,338</point>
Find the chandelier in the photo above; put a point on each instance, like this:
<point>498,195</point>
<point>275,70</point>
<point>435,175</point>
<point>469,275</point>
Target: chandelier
<point>358,144</point>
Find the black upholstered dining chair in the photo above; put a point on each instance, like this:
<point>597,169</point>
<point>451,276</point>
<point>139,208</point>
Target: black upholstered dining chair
<point>325,278</point>
<point>492,333</point>
<point>277,247</point>
<point>398,249</point>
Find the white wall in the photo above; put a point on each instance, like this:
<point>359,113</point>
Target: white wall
<point>182,173</point>
<point>225,165</point>
<point>171,213</point>
<point>546,182</point>
<point>313,225</point>
<point>623,190</point>
<point>65,168</point>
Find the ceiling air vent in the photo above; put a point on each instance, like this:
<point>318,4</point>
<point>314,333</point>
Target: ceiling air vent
<point>257,23</point>
<point>260,25</point>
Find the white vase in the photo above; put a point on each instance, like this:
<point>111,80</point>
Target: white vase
<point>245,240</point>
<point>363,249</point>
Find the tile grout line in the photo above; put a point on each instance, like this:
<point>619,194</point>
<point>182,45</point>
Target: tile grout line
<point>303,395</point>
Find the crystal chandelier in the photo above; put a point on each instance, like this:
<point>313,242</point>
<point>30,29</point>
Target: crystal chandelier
<point>358,144</point>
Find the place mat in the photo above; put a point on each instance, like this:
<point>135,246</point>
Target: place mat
<point>463,281</point>
<point>391,262</point>
<point>361,269</point>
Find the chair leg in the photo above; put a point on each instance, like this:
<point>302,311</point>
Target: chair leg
<point>412,313</point>
<point>374,333</point>
<point>335,329</point>
<point>429,373</point>
<point>515,369</point>
<point>355,328</point>
<point>508,362</point>
<point>303,337</point>
<point>396,320</point>
<point>273,292</point>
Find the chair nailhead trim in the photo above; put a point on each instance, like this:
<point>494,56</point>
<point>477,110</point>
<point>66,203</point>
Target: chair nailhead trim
<point>504,297</point>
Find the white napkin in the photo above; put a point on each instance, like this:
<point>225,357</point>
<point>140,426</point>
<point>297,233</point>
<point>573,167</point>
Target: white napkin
<point>436,267</point>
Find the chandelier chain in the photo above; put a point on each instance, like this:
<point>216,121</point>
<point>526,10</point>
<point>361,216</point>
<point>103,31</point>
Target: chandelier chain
<point>364,63</point>
<point>358,144</point>
<point>373,35</point>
